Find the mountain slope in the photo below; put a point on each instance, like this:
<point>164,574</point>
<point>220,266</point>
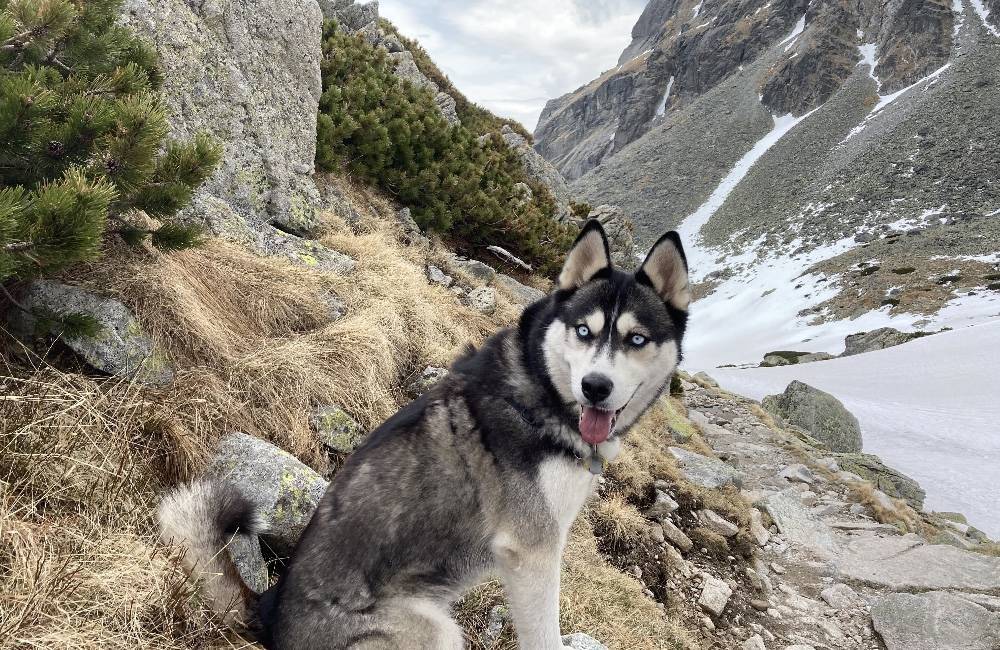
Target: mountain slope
<point>835,174</point>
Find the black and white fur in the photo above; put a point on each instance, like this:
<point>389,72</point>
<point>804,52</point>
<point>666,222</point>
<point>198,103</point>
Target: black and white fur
<point>483,474</point>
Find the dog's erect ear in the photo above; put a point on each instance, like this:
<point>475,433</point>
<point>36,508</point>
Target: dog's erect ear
<point>665,270</point>
<point>589,256</point>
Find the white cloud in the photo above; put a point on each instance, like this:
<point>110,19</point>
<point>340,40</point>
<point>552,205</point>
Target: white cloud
<point>513,55</point>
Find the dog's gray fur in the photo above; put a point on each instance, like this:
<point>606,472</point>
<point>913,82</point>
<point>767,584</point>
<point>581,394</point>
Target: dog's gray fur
<point>483,474</point>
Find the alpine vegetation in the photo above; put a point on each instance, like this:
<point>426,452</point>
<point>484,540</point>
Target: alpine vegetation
<point>83,140</point>
<point>466,185</point>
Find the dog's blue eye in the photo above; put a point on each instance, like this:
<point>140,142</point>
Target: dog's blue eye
<point>638,340</point>
<point>582,331</point>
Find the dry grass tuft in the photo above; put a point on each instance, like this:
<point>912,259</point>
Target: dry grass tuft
<point>617,522</point>
<point>610,605</point>
<point>79,567</point>
<point>900,514</point>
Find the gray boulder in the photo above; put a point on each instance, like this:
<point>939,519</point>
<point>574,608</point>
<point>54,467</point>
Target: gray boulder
<point>476,270</point>
<point>884,337</point>
<point>715,595</point>
<point>707,472</point>
<point>518,292</point>
<point>819,413</point>
<point>676,536</point>
<point>120,348</point>
<point>337,430</point>
<point>891,481</point>
<point>934,621</point>
<point>284,489</point>
<point>246,73</point>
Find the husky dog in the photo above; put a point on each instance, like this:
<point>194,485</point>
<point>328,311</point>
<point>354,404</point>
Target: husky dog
<point>482,474</point>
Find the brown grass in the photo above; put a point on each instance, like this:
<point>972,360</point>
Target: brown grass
<point>79,567</point>
<point>610,605</point>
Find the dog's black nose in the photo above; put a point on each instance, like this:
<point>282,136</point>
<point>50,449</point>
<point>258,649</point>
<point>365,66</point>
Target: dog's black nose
<point>596,387</point>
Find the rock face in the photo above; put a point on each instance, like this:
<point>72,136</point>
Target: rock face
<point>541,170</point>
<point>935,620</point>
<point>819,413</point>
<point>284,489</point>
<point>248,74</point>
<point>908,564</point>
<point>119,348</point>
<point>521,293</point>
<point>884,337</point>
<point>888,480</point>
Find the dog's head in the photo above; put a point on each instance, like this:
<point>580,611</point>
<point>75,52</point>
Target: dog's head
<point>615,338</point>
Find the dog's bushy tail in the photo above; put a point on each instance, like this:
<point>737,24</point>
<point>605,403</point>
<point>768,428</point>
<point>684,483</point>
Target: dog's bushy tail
<point>203,517</point>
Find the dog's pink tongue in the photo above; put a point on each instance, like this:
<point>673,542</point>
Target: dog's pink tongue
<point>595,425</point>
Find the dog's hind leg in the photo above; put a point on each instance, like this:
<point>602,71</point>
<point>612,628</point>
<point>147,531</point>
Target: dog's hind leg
<point>414,624</point>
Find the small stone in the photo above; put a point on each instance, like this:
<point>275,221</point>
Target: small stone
<point>777,568</point>
<point>437,276</point>
<point>581,641</point>
<point>716,523</point>
<point>757,530</point>
<point>754,643</point>
<point>840,596</point>
<point>760,605</point>
<point>662,506</point>
<point>857,509</point>
<point>483,300</point>
<point>656,534</point>
<point>428,377</point>
<point>676,536</point>
<point>798,473</point>
<point>808,498</point>
<point>336,429</point>
<point>715,595</point>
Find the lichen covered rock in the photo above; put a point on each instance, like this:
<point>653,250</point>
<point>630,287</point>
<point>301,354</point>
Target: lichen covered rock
<point>893,482</point>
<point>819,413</point>
<point>284,489</point>
<point>248,74</point>
<point>337,430</point>
<point>120,347</point>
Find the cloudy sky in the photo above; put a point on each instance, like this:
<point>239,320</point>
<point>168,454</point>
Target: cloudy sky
<point>513,55</point>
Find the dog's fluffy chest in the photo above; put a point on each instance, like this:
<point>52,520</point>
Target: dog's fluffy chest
<point>565,484</point>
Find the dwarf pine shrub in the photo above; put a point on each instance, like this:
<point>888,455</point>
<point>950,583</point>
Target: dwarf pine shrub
<point>460,184</point>
<point>83,146</point>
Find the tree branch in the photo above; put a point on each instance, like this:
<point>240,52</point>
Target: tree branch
<point>18,246</point>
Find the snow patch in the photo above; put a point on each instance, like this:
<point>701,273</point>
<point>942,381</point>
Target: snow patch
<point>799,28</point>
<point>691,226</point>
<point>984,14</point>
<point>959,10</point>
<point>697,9</point>
<point>707,24</point>
<point>885,100</point>
<point>927,408</point>
<point>661,108</point>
